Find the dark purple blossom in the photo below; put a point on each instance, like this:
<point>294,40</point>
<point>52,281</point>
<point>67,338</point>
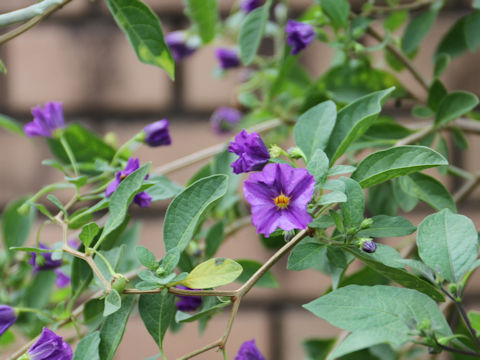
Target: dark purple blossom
<point>188,303</point>
<point>46,120</point>
<point>279,196</point>
<point>252,152</point>
<point>369,246</point>
<point>7,318</point>
<point>299,35</point>
<point>47,263</point>
<point>177,42</point>
<point>224,119</point>
<point>156,134</point>
<point>250,5</point>
<point>142,199</point>
<point>227,58</point>
<point>50,346</point>
<point>249,351</point>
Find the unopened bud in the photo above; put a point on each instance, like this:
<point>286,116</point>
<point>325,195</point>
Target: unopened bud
<point>296,153</point>
<point>366,223</point>
<point>275,151</point>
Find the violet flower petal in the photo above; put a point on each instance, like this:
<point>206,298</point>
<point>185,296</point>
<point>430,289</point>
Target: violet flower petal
<point>7,318</point>
<point>249,351</point>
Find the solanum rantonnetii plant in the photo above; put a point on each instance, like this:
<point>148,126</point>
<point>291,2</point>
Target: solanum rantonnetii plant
<point>308,201</point>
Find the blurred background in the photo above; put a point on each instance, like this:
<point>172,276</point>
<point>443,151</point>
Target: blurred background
<point>80,57</point>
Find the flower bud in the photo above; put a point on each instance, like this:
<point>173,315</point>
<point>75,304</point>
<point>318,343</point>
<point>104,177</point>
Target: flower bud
<point>296,153</point>
<point>156,134</point>
<point>366,223</point>
<point>7,318</point>
<point>275,151</point>
<point>119,283</point>
<point>367,245</point>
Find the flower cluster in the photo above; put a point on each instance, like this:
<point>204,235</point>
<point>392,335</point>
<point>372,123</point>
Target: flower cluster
<point>142,199</point>
<point>46,120</point>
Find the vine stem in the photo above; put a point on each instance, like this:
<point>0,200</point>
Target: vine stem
<point>69,153</point>
<point>27,13</point>
<point>32,22</point>
<point>409,6</point>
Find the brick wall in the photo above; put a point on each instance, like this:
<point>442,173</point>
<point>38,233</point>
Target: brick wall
<point>80,57</point>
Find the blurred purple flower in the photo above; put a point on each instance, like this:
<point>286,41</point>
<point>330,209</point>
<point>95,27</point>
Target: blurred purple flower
<point>142,199</point>
<point>252,152</point>
<point>50,346</point>
<point>156,134</point>
<point>249,351</point>
<point>299,35</point>
<point>250,5</point>
<point>46,263</point>
<point>188,303</point>
<point>46,120</point>
<point>177,42</point>
<point>7,318</point>
<point>227,58</point>
<point>224,119</point>
<point>279,196</point>
<point>62,280</point>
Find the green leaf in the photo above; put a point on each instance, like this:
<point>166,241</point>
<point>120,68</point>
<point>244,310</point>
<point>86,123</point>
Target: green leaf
<point>331,198</point>
<point>416,30</point>
<point>113,302</point>
<point>406,201</point>
<point>472,31</point>
<point>212,273</point>
<point>113,329</point>
<point>121,199</point>
<point>388,262</point>
<point>429,190</point>
<point>146,257</point>
<point>318,349</point>
<point>214,239</point>
<point>388,226</point>
<point>11,125</point>
<point>338,11</point>
<point>187,208</point>
<point>16,226</point>
<point>395,20</point>
<point>422,111</point>
<point>249,268</point>
<point>88,233</point>
<point>436,93</point>
<point>313,128</point>
<point>454,42</point>
<point>86,145</point>
<point>157,312</point>
<point>163,188</point>
<point>380,200</point>
<point>441,63</point>
<point>144,32</point>
<point>318,166</point>
<point>204,15</point>
<point>448,243</point>
<point>182,317</point>
<point>3,68</point>
<point>454,105</point>
<point>474,318</point>
<point>397,161</point>
<point>251,32</point>
<point>310,254</point>
<point>374,322</point>
<point>353,209</point>
<point>93,313</point>
<point>353,120</point>
<point>340,170</point>
<point>87,348</point>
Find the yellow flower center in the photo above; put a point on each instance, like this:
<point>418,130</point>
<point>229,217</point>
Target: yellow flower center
<point>282,201</point>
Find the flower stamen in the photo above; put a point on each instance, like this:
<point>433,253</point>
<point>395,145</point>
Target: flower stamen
<point>282,201</point>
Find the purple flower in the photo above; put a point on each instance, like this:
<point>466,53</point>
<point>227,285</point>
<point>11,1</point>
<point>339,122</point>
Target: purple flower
<point>228,58</point>
<point>250,5</point>
<point>279,196</point>
<point>224,119</point>
<point>7,318</point>
<point>62,280</point>
<point>249,351</point>
<point>50,346</point>
<point>156,134</point>
<point>177,42</point>
<point>299,35</point>
<point>46,120</point>
<point>252,152</point>
<point>47,263</point>
<point>369,246</point>
<point>142,199</point>
<point>188,303</point>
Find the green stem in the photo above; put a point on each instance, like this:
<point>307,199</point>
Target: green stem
<point>69,153</point>
<point>224,353</point>
<point>109,267</point>
<point>123,148</point>
<point>21,309</point>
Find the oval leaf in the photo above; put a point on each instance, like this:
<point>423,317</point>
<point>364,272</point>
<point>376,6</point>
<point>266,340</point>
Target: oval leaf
<point>251,32</point>
<point>454,105</point>
<point>144,32</point>
<point>313,128</point>
<point>448,243</point>
<point>397,161</point>
<point>212,273</point>
<point>87,348</point>
<point>204,15</point>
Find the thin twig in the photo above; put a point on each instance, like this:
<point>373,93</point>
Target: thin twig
<point>467,188</point>
<point>416,136</point>
<point>26,13</point>
<point>31,23</point>
<point>409,6</point>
